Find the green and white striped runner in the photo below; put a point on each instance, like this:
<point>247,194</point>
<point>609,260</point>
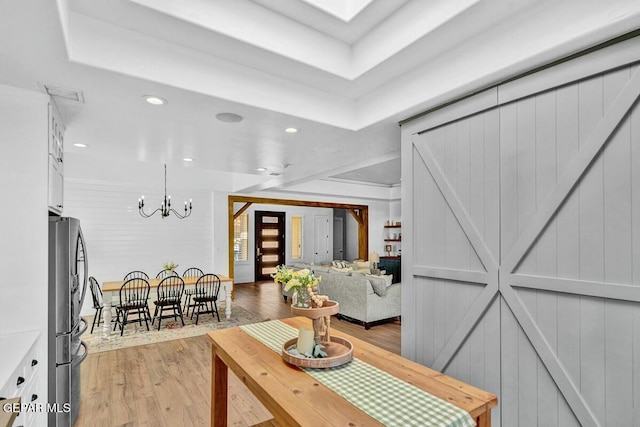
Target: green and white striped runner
<point>388,399</point>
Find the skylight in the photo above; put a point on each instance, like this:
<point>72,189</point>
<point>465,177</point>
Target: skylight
<point>345,10</point>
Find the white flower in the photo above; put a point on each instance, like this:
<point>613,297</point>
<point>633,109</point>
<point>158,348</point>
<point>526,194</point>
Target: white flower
<point>292,284</point>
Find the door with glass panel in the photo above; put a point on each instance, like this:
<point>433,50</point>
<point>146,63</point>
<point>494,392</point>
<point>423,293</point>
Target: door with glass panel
<point>270,238</point>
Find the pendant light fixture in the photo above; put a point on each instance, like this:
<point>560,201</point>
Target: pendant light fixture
<point>165,208</point>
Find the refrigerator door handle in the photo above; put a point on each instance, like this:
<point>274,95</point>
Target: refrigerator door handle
<point>79,359</point>
<point>86,265</point>
<point>81,330</point>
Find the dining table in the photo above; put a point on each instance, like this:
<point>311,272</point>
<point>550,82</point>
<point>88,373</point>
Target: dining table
<point>375,388</point>
<point>111,290</point>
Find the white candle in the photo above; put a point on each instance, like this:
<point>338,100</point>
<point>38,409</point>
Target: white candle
<point>305,341</point>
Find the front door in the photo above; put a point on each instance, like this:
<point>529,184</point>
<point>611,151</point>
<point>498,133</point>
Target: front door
<point>269,240</point>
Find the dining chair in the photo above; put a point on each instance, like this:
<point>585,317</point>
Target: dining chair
<point>133,299</point>
<point>166,273</point>
<point>188,293</point>
<point>170,292</point>
<point>206,295</point>
<point>136,275</point>
<point>96,294</point>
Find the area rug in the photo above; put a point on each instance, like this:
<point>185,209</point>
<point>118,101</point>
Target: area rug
<point>135,335</point>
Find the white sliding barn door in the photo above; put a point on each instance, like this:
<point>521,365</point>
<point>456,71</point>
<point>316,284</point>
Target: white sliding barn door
<point>570,180</point>
<point>525,262</point>
<point>456,228</point>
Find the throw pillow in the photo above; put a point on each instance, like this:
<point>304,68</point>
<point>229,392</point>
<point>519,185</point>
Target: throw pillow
<point>388,279</point>
<point>346,271</point>
<point>378,283</point>
<point>362,264</point>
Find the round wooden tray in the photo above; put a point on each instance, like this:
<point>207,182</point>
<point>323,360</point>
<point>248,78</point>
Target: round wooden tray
<point>328,308</point>
<point>339,351</point>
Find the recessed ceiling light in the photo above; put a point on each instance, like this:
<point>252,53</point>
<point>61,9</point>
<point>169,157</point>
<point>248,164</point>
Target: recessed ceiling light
<point>154,100</point>
<point>80,145</point>
<point>229,117</point>
<point>261,169</point>
<point>187,159</point>
<point>291,130</point>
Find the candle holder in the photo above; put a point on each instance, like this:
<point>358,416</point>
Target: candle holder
<point>339,350</point>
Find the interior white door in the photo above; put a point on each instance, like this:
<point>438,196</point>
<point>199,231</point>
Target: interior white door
<point>321,244</point>
<point>338,238</point>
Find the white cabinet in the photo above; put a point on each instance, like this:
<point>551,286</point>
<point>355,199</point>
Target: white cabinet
<point>56,160</point>
<point>19,376</point>
<point>24,128</point>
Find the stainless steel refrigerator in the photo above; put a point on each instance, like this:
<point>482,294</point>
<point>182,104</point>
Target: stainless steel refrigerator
<point>68,276</point>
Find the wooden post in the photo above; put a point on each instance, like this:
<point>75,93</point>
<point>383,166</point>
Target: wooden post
<point>362,218</point>
<point>219,389</point>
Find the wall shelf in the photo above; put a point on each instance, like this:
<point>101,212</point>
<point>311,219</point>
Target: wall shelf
<point>392,262</point>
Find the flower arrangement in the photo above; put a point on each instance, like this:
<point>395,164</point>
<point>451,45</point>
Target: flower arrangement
<point>169,265</point>
<point>295,280</point>
<point>301,282</point>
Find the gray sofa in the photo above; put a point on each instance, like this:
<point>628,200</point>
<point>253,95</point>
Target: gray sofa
<point>357,298</point>
<point>356,295</point>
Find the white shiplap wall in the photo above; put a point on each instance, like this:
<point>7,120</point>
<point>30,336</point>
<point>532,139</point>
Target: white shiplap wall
<point>120,240</point>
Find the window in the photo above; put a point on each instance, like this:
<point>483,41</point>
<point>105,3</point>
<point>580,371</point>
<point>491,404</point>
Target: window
<point>240,240</point>
<point>296,237</point>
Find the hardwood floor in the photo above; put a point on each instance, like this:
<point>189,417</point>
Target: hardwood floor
<point>168,383</point>
<point>266,300</point>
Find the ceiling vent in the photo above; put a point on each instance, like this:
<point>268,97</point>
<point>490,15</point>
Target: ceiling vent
<point>65,93</point>
<point>275,173</point>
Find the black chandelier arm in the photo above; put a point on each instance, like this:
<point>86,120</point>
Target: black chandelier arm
<point>147,215</point>
<point>141,209</point>
<point>178,215</point>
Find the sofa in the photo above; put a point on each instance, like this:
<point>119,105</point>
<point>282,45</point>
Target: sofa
<point>364,298</point>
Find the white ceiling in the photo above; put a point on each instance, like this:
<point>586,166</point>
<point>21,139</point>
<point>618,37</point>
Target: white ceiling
<point>342,72</point>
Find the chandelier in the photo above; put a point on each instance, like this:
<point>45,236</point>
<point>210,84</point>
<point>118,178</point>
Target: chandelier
<point>165,208</point>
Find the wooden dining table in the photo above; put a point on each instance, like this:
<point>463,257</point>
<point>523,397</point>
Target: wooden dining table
<point>296,398</point>
<point>110,293</point>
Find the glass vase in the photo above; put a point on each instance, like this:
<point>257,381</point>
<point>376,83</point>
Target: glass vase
<point>301,298</point>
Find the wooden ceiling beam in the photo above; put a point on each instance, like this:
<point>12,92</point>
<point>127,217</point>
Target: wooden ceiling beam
<point>242,209</point>
<point>357,215</point>
<point>270,201</point>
